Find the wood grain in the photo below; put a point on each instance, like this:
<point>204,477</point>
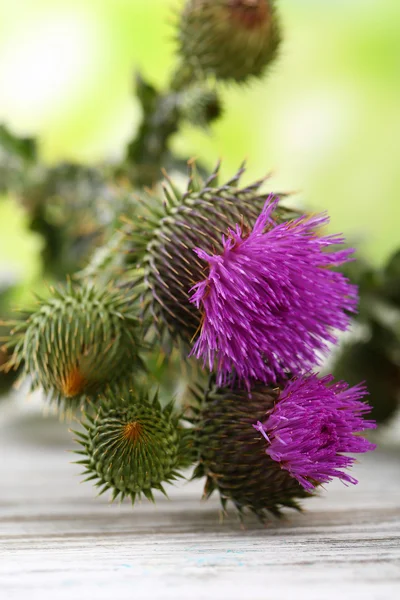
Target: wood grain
<point>58,541</point>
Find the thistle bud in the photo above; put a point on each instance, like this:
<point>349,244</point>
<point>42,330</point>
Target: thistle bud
<point>229,39</point>
<point>77,343</point>
<point>133,446</point>
<point>232,455</point>
<point>265,451</point>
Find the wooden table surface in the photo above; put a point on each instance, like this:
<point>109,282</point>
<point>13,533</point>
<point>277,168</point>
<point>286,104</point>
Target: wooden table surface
<point>58,541</point>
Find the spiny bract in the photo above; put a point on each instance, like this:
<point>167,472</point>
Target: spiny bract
<point>229,39</point>
<point>77,343</point>
<point>163,243</point>
<point>232,454</point>
<point>133,446</point>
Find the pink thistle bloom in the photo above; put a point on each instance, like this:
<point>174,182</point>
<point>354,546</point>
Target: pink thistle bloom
<point>312,425</point>
<point>270,301</point>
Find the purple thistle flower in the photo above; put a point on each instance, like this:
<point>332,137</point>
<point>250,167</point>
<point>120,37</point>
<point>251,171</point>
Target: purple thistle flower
<point>312,425</point>
<point>270,302</point>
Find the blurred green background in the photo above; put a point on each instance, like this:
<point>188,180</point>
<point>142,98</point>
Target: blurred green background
<point>325,122</point>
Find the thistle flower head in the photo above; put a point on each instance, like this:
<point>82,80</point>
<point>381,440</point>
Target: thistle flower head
<point>77,342</point>
<point>311,428</point>
<point>162,242</point>
<point>270,301</point>
<point>229,39</point>
<point>133,446</point>
<point>233,458</point>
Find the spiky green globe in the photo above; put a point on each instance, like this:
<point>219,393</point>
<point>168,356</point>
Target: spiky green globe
<point>133,446</point>
<point>232,454</point>
<point>163,241</point>
<point>78,342</point>
<point>229,39</point>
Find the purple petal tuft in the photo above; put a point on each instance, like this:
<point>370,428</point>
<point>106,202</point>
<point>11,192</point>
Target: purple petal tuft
<point>312,425</point>
<point>270,301</point>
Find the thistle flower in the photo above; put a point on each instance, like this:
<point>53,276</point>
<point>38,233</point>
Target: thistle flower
<point>270,302</point>
<point>163,239</point>
<point>133,446</point>
<point>77,343</point>
<point>229,39</point>
<point>312,426</point>
<point>233,458</point>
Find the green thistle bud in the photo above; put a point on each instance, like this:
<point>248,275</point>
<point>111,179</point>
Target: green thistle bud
<point>232,454</point>
<point>200,106</point>
<point>229,39</point>
<point>133,446</point>
<point>163,242</point>
<point>77,343</point>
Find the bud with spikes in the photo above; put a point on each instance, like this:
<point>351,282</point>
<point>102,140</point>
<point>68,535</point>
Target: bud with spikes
<point>232,455</point>
<point>164,240</point>
<point>266,450</point>
<point>229,39</point>
<point>133,446</point>
<point>77,343</point>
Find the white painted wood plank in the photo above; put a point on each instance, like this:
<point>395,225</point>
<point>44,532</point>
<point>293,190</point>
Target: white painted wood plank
<point>58,541</point>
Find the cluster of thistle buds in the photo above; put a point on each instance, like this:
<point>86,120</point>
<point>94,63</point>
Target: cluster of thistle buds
<point>241,286</point>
